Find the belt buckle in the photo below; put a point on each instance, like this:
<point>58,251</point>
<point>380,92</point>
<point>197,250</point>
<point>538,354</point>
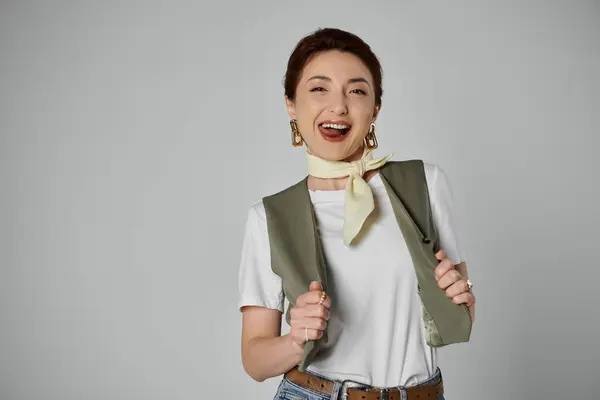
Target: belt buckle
<point>383,394</point>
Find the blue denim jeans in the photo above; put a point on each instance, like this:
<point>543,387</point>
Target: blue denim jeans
<point>288,390</point>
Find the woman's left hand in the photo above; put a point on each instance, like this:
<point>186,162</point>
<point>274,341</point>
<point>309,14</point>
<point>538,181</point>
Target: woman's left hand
<point>456,285</point>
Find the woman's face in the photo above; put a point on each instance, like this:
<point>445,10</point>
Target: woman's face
<point>334,105</point>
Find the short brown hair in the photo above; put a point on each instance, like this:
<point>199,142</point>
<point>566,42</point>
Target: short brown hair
<point>325,39</point>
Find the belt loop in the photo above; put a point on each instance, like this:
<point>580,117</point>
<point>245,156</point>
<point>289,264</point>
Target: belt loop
<point>403,394</point>
<point>337,385</point>
<point>383,394</point>
<point>343,390</point>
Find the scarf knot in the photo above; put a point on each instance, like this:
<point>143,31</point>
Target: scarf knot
<point>359,167</point>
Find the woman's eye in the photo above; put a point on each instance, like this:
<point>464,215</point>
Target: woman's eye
<point>317,89</point>
<point>359,91</point>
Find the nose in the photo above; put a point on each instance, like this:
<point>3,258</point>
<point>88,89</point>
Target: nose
<point>339,104</point>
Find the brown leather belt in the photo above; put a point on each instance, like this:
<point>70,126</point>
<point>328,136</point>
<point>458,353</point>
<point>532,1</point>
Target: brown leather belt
<point>428,391</point>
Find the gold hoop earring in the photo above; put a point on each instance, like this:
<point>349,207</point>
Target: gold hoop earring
<point>370,139</point>
<point>297,140</point>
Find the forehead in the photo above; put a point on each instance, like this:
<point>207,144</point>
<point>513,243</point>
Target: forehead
<point>337,65</point>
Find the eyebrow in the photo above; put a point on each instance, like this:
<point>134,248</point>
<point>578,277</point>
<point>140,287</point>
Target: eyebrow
<point>328,79</point>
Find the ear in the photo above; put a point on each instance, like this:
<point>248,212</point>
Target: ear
<point>376,112</point>
<point>291,107</point>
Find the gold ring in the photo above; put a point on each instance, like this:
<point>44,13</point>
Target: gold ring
<point>322,298</point>
<point>306,334</point>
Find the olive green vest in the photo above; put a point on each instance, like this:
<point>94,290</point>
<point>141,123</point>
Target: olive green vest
<point>297,256</point>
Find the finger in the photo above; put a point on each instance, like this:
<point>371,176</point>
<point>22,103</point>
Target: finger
<point>440,255</point>
<point>310,311</point>
<point>311,334</point>
<point>317,311</point>
<point>313,297</point>
<point>302,335</point>
<point>308,296</point>
<point>457,288</point>
<point>449,278</point>
<point>315,323</point>
<point>309,322</point>
<point>442,268</point>
<point>464,298</point>
<point>326,302</point>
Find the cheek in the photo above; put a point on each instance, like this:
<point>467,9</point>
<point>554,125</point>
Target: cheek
<point>364,119</point>
<point>362,107</point>
<point>308,112</point>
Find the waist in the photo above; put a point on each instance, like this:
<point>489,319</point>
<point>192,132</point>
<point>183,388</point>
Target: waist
<point>433,388</point>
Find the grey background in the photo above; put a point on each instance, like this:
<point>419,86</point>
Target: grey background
<point>134,137</point>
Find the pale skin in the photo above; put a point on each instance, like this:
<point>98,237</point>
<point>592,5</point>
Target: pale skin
<point>333,86</point>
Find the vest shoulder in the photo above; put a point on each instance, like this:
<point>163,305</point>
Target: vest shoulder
<point>289,191</point>
<point>430,169</point>
<point>404,163</point>
<point>403,168</point>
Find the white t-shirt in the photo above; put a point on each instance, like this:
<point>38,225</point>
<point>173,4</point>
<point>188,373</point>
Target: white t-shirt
<point>376,329</point>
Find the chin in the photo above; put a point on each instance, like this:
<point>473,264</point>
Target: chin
<point>331,153</point>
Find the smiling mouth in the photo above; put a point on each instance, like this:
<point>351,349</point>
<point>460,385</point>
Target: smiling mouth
<point>334,132</point>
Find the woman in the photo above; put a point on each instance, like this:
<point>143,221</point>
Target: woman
<point>367,305</point>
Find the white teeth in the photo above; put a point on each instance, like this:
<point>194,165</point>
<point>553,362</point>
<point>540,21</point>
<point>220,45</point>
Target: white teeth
<point>336,126</point>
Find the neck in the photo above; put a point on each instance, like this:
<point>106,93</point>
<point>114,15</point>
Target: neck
<point>315,183</point>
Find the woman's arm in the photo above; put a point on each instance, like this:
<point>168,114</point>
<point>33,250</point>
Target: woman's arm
<point>265,353</point>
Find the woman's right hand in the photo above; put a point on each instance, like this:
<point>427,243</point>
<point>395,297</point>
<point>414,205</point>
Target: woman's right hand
<point>310,315</point>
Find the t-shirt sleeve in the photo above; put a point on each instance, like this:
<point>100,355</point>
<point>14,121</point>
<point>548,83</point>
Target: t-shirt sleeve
<point>442,204</point>
<point>258,284</point>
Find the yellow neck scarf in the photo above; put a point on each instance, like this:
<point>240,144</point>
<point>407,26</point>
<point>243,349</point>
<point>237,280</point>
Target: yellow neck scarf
<point>359,197</point>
